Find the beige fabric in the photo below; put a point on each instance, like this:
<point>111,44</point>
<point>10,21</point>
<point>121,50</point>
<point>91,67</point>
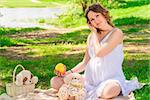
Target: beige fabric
<point>50,94</point>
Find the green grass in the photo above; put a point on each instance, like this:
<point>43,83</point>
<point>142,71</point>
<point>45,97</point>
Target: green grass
<point>29,3</point>
<point>132,3</point>
<point>44,57</point>
<point>4,31</point>
<point>139,11</point>
<point>58,1</point>
<point>41,58</point>
<point>75,37</point>
<point>5,41</point>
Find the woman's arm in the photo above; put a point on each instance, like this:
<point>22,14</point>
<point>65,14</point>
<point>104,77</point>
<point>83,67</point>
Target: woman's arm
<point>81,66</point>
<point>114,39</point>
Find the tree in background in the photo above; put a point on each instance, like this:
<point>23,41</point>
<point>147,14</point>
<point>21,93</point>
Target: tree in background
<point>85,3</point>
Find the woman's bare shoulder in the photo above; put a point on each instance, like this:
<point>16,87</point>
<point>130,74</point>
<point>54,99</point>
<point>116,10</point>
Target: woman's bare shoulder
<point>117,35</point>
<point>118,31</point>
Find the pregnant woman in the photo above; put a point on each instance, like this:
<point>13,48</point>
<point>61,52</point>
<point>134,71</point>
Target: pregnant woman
<point>102,63</point>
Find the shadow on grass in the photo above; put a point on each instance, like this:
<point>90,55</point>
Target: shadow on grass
<point>75,37</point>
<point>140,95</point>
<point>80,36</point>
<point>133,30</point>
<point>137,40</point>
<point>6,41</point>
<point>137,68</point>
<point>130,21</point>
<point>127,4</point>
<point>4,31</point>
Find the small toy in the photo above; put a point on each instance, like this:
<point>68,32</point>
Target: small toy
<point>25,77</point>
<point>23,83</point>
<point>73,87</point>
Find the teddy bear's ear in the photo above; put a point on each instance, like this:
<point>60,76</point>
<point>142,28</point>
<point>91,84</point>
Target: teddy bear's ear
<point>25,79</point>
<point>34,79</point>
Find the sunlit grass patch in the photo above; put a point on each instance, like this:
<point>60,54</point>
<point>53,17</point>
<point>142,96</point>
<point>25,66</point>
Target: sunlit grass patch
<point>139,12</point>
<point>45,50</point>
<point>31,3</point>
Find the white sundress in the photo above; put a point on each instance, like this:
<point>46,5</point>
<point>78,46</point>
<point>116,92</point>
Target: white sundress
<point>101,70</point>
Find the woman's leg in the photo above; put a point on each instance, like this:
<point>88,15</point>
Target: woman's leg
<point>111,89</point>
<point>56,82</point>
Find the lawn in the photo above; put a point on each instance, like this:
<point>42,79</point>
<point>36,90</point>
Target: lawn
<point>31,3</point>
<point>40,50</point>
<point>40,55</point>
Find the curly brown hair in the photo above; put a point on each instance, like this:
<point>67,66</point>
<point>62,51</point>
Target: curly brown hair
<point>99,9</point>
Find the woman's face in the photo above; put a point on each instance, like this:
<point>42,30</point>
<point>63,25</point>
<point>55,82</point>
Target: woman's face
<point>97,19</point>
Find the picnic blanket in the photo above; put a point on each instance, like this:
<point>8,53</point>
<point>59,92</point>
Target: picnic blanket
<point>50,94</point>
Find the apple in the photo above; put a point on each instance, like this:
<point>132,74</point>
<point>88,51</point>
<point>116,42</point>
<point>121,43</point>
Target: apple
<point>60,68</point>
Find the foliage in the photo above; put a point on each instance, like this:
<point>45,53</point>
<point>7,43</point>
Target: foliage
<point>70,18</point>
<point>5,41</point>
<point>121,16</point>
<point>111,3</point>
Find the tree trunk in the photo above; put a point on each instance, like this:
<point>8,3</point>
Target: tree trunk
<point>84,6</point>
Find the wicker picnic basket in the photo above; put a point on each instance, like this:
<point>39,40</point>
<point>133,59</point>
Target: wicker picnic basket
<point>13,90</point>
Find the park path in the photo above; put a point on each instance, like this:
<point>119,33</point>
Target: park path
<point>27,17</point>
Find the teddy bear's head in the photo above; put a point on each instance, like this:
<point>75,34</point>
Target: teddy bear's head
<point>25,77</point>
<point>74,79</point>
<point>73,87</point>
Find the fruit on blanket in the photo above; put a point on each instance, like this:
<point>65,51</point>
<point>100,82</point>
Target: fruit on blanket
<point>60,68</point>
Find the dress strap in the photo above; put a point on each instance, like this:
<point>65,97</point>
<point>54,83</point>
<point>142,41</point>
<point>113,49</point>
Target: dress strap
<point>109,34</point>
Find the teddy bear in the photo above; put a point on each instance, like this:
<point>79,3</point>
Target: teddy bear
<point>25,77</point>
<point>73,87</point>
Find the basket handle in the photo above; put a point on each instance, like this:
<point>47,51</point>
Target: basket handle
<point>14,72</point>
